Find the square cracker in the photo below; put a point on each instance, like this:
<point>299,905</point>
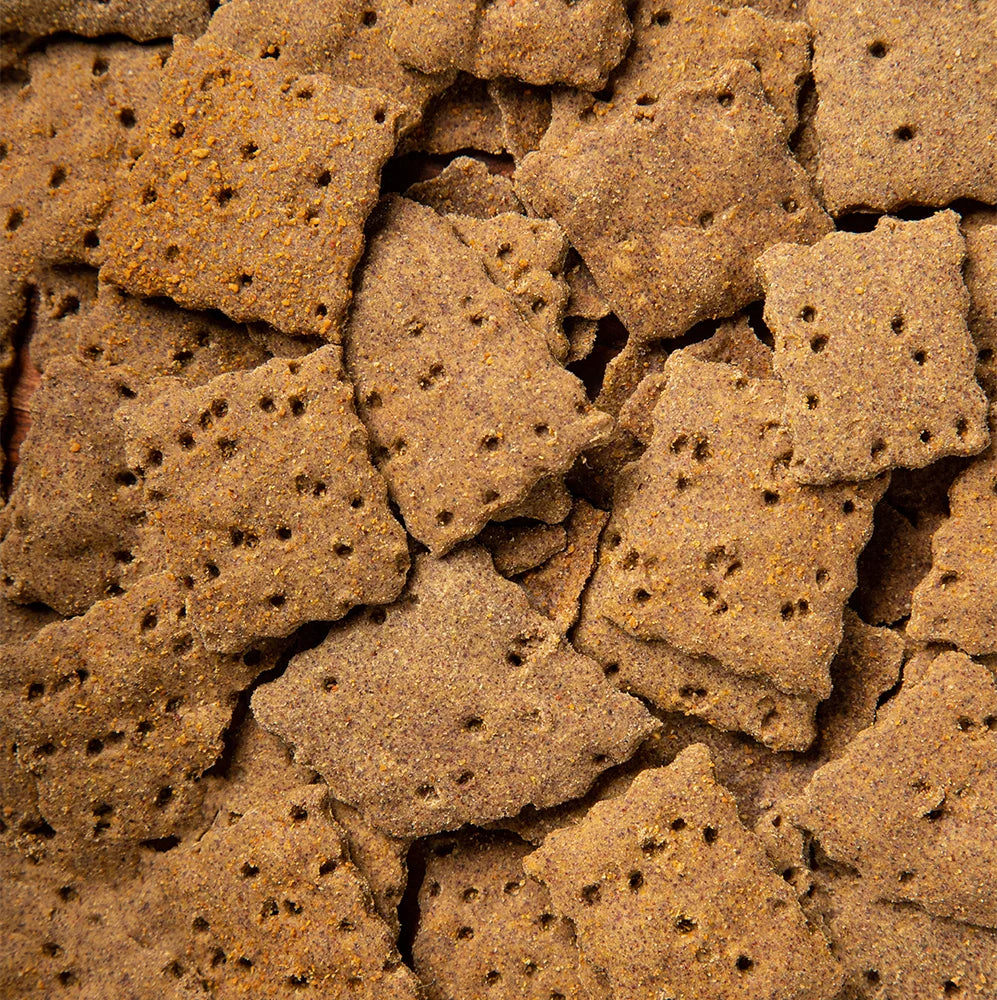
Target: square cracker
<point>672,896</point>
<point>466,406</point>
<point>911,804</point>
<point>907,102</point>
<point>485,929</point>
<point>957,601</point>
<point>260,495</point>
<point>216,182</point>
<point>670,202</point>
<point>714,548</point>
<point>508,713</point>
<point>872,345</point>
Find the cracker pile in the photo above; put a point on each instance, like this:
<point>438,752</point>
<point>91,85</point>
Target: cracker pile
<point>498,500</point>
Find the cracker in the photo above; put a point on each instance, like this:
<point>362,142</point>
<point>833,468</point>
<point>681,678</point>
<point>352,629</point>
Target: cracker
<point>691,39</point>
<point>485,929</point>
<point>585,300</point>
<point>581,334</point>
<point>894,562</point>
<point>67,132</point>
<point>142,21</point>
<point>669,204</point>
<point>957,601</point>
<point>465,186</point>
<point>276,905</point>
<point>672,852</point>
<point>463,117</point>
<point>883,146</point>
<point>215,182</point>
<point>522,545</point>
<point>347,40</point>
<point>981,280</point>
<point>466,407</point>
<point>872,344</point>
<point>66,295</point>
<point>549,501</point>
<point>130,680</point>
<point>525,113</point>
<point>539,43</point>
<point>526,257</point>
<point>555,588</point>
<point>263,500</point>
<point>514,717</point>
<point>715,549</point>
<point>70,526</point>
<point>911,803</point>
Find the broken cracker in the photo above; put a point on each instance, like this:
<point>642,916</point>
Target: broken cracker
<point>487,929</point>
<point>906,104</point>
<point>525,112</point>
<point>872,344</point>
<point>520,546</point>
<point>143,22</point>
<point>465,186</point>
<point>549,501</point>
<point>911,803</point>
<point>981,280</point>
<point>463,117</point>
<point>431,338</point>
<point>498,685</point>
<point>262,498</point>
<point>66,295</point>
<point>671,895</point>
<point>215,182</point>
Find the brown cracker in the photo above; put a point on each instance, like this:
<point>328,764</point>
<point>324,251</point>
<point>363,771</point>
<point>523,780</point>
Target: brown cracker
<point>911,803</point>
<point>714,548</point>
<point>463,117</point>
<point>507,712</point>
<point>347,40</point>
<point>215,182</point>
<point>907,94</point>
<point>549,501</point>
<point>465,186</point>
<point>669,204</point>
<point>671,895</point>
<point>555,588</point>
<point>538,43</point>
<point>143,21</point>
<point>485,929</point>
<point>128,681</point>
<point>872,344</point>
<point>525,112</point>
<point>519,546</point>
<point>275,905</point>
<point>65,297</point>
<point>262,497</point>
<point>465,405</point>
<point>981,280</point>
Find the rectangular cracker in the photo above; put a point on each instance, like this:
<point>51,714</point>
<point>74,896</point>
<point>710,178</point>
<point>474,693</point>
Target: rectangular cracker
<point>509,714</point>
<point>672,896</point>
<point>466,407</point>
<point>215,182</point>
<point>872,344</point>
<point>263,500</point>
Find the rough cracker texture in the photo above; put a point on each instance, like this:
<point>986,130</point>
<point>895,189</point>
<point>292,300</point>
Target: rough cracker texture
<point>907,102</point>
<point>549,501</point>
<point>714,548</point>
<point>525,113</point>
<point>66,295</point>
<point>347,40</point>
<point>465,405</point>
<point>872,345</point>
<point>462,117</point>
<point>263,500</point>
<point>670,204</point>
<point>508,713</point>
<point>67,133</point>
<point>541,42</point>
<point>911,804</point>
<point>465,186</point>
<point>486,929</point>
<point>981,280</point>
<point>275,895</point>
<point>522,545</point>
<point>894,562</point>
<point>672,896</point>
<point>555,588</point>
<point>143,21</point>
<point>526,257</point>
<point>585,300</point>
<point>687,40</point>
<point>117,714</point>
<point>216,181</point>
<point>957,601</point>
<point>70,525</point>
